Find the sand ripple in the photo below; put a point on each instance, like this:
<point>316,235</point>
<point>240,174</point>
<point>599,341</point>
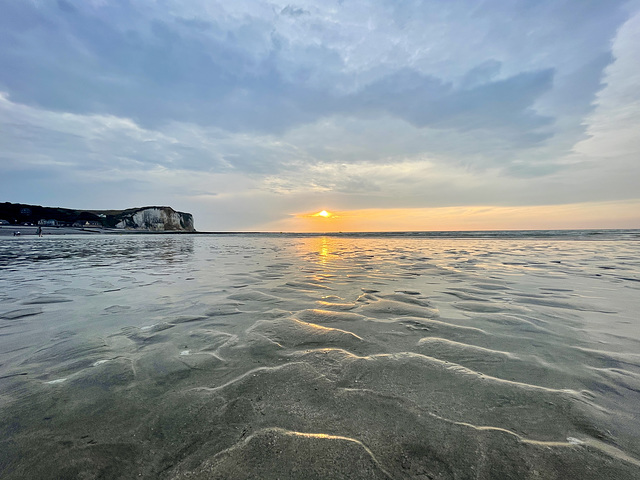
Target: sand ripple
<point>259,357</point>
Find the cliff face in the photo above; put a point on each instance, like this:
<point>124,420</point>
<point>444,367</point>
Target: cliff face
<point>155,219</point>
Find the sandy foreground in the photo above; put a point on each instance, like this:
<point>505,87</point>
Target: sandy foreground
<point>253,357</point>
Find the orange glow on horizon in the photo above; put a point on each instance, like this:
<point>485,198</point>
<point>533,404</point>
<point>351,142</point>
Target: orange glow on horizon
<point>623,214</point>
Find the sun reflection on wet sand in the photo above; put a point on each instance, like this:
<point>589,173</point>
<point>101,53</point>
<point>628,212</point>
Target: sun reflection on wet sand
<point>324,250</point>
<point>321,249</point>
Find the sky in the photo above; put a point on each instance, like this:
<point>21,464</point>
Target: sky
<point>389,114</point>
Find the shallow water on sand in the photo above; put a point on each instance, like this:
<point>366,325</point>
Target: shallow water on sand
<point>319,357</point>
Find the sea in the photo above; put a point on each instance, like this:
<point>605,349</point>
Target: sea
<point>404,355</point>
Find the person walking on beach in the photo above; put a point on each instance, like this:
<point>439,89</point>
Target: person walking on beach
<point>39,231</point>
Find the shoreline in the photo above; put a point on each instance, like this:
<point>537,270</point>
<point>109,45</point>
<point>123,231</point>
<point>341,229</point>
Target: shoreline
<point>32,231</point>
<point>584,234</point>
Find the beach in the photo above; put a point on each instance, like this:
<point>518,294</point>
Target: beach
<point>32,230</point>
<point>402,356</point>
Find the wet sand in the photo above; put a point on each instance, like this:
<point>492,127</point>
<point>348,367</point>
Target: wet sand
<point>277,357</point>
<point>32,230</point>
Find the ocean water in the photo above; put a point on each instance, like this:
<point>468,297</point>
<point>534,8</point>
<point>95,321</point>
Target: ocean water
<point>492,355</point>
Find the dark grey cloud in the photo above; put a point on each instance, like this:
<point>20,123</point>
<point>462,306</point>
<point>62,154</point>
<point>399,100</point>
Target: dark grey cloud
<point>294,11</point>
<point>426,101</point>
<point>156,70</point>
<point>66,6</point>
<point>481,74</point>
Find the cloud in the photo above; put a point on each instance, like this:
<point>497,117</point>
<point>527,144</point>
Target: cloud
<point>481,74</point>
<point>66,6</point>
<point>245,70</point>
<point>293,11</point>
<point>425,101</point>
<point>614,124</point>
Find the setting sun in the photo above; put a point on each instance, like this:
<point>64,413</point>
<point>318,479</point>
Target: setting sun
<point>323,213</point>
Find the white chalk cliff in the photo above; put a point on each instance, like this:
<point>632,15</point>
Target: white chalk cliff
<point>156,219</point>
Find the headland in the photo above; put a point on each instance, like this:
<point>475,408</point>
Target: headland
<point>24,219</point>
